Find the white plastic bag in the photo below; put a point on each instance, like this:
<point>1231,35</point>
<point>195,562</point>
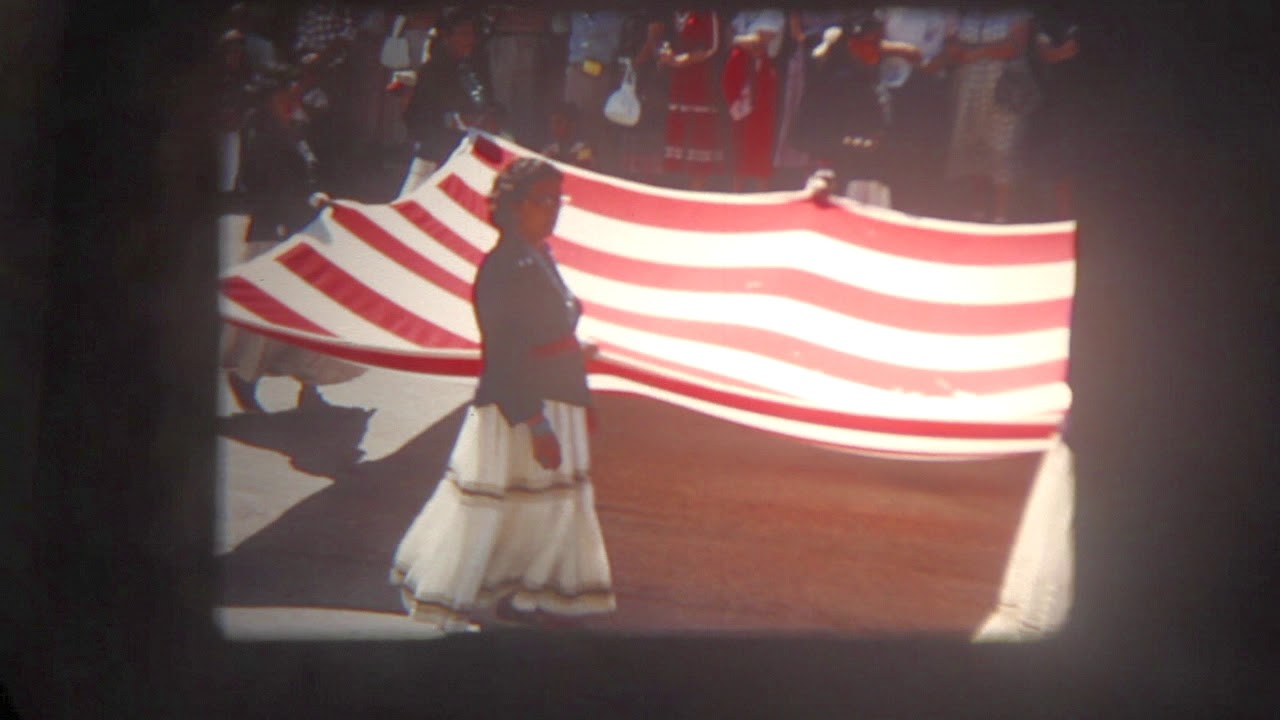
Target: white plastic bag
<point>395,49</point>
<point>623,106</point>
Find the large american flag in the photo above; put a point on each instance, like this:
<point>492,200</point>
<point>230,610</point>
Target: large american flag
<point>843,325</point>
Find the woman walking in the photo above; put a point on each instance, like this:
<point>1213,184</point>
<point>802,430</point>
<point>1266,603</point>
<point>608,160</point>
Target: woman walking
<point>986,133</point>
<point>513,520</point>
<point>694,149</point>
<point>450,96</point>
<point>750,85</point>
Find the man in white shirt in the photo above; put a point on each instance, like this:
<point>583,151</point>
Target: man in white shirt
<point>592,75</point>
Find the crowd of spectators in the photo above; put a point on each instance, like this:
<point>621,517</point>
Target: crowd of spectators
<point>943,112</point>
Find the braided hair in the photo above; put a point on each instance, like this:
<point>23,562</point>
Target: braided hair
<point>511,186</point>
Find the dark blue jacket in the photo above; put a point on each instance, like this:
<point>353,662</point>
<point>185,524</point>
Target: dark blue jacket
<point>527,319</point>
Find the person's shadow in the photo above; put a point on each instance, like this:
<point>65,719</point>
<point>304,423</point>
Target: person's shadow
<point>333,549</point>
<point>319,439</point>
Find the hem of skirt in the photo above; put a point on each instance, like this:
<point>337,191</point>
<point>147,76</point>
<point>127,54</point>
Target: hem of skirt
<point>692,155</point>
<point>439,615</point>
<point>438,610</point>
<point>578,481</point>
<point>693,109</point>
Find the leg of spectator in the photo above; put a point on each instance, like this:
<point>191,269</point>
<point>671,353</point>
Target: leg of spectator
<point>979,203</point>
<point>505,74</point>
<point>586,93</point>
<point>1001,193</point>
<point>245,393</point>
<point>1063,195</point>
<point>527,106</point>
<point>606,140</point>
<point>553,84</point>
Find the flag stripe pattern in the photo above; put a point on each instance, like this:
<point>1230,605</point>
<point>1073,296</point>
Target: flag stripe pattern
<point>850,327</point>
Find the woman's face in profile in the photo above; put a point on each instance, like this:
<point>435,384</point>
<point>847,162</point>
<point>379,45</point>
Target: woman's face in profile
<point>537,212</point>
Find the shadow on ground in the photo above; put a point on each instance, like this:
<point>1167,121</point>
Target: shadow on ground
<point>334,548</point>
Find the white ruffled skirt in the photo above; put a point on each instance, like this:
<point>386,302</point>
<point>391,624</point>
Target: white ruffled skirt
<point>500,525</point>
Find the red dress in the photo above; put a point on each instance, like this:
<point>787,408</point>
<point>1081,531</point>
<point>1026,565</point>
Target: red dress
<point>693,113</point>
<point>753,134</point>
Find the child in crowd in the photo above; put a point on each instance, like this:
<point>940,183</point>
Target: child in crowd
<point>496,121</point>
<point>566,143</point>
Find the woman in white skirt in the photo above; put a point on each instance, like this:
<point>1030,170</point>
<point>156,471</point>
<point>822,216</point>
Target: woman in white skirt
<point>513,522</point>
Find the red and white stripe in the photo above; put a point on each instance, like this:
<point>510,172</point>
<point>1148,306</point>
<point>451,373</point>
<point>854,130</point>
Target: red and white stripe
<point>847,326</point>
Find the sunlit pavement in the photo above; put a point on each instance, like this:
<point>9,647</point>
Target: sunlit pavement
<point>318,624</point>
<point>256,486</point>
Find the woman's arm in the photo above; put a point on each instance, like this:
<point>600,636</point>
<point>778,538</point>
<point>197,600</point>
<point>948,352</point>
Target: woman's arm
<point>1050,53</point>
<point>693,57</point>
<point>734,76</point>
<point>897,48</point>
<point>546,446</point>
<point>1012,46</point>
<point>652,38</point>
<point>830,37</point>
<point>1015,45</point>
<point>750,42</point>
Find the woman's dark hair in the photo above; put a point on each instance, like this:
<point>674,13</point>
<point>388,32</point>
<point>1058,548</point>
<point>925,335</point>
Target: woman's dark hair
<point>511,186</point>
<point>450,19</point>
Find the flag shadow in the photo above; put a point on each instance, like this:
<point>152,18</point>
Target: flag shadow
<point>334,548</point>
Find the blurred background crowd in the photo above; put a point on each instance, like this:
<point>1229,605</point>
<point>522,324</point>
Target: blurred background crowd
<point>950,112</point>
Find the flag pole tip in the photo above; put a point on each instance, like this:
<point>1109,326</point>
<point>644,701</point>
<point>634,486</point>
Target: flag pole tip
<point>320,200</point>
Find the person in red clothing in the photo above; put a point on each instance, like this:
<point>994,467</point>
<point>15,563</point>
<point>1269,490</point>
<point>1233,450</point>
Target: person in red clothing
<point>750,84</point>
<point>693,146</point>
